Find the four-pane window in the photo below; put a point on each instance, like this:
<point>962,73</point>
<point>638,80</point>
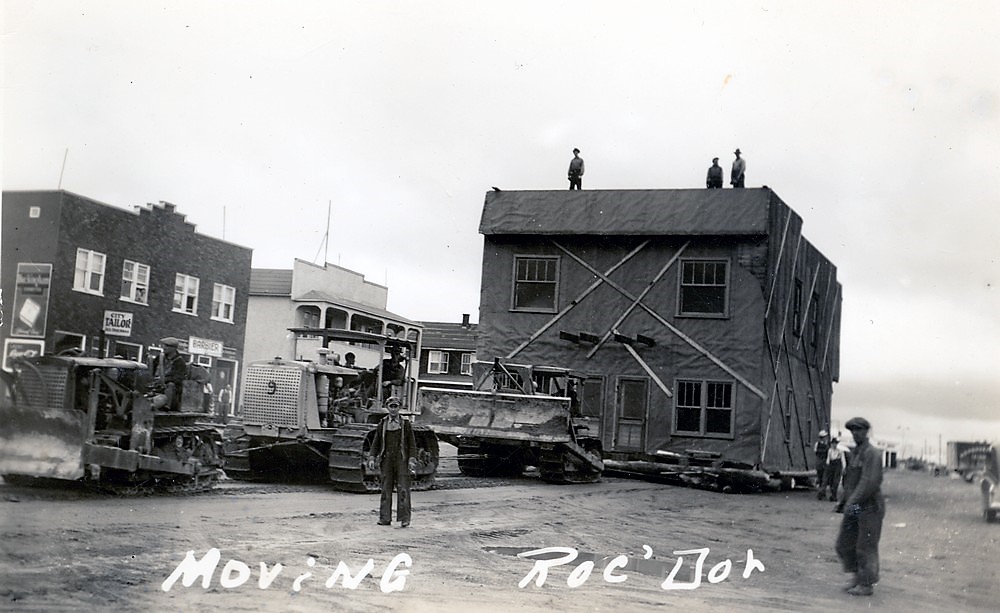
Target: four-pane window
<point>89,274</point>
<point>437,362</point>
<point>223,300</point>
<point>186,294</point>
<point>135,282</point>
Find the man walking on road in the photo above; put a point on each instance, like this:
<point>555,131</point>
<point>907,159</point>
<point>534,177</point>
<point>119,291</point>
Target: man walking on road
<point>393,448</point>
<point>864,510</point>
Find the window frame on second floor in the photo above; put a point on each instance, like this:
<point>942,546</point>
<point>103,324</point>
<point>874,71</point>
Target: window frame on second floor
<point>135,289</point>
<point>535,290</point>
<point>85,274</point>
<point>437,366</point>
<point>467,359</point>
<point>690,280</point>
<point>182,294</point>
<point>219,303</point>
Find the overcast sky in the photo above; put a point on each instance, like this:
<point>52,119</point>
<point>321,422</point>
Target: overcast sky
<point>878,122</point>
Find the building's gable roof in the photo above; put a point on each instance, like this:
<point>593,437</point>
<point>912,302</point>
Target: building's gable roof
<point>453,336</point>
<point>270,282</point>
<point>628,212</point>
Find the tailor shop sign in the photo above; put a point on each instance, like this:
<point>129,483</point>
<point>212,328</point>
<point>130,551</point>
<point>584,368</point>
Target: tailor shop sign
<point>117,323</point>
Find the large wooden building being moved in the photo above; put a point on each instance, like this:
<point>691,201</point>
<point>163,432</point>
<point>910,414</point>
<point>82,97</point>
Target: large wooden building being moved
<point>707,326</point>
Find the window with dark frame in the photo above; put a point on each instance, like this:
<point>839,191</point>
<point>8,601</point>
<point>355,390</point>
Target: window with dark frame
<point>703,408</point>
<point>789,398</point>
<point>797,308</point>
<point>814,320</point>
<point>704,287</point>
<point>536,281</point>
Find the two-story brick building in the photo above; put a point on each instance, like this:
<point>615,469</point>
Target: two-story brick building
<point>707,325</point>
<point>111,281</point>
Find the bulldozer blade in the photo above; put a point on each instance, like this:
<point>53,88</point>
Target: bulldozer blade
<point>42,442</point>
<point>485,415</point>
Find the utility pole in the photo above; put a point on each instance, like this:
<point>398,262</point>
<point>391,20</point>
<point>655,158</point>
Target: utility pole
<point>65,155</point>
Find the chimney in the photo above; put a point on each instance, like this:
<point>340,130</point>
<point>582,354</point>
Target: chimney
<point>465,320</point>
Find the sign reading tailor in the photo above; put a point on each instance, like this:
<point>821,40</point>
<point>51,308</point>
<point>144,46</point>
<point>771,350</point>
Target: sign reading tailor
<point>118,323</point>
<point>204,346</point>
<point>31,299</point>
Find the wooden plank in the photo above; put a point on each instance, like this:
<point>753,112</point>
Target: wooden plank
<point>649,371</point>
<point>642,295</point>
<point>676,331</point>
<point>593,286</point>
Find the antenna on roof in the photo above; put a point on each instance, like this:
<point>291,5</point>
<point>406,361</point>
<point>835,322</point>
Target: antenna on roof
<point>325,244</point>
<point>65,155</point>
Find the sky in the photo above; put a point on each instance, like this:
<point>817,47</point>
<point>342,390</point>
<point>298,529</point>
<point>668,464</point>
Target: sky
<point>879,123</point>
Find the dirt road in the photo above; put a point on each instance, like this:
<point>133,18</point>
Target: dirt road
<point>78,551</point>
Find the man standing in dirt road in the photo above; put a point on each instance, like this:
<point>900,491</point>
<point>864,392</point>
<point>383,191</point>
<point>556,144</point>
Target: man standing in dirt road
<point>393,448</point>
<point>864,510</point>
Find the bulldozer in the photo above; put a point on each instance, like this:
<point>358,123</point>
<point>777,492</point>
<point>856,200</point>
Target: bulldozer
<point>516,416</point>
<point>75,418</point>
<point>309,420</point>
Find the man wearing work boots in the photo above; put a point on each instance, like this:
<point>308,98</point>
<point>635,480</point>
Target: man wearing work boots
<point>393,448</point>
<point>864,510</point>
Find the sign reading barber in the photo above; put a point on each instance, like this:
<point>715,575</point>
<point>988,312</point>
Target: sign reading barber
<point>117,323</point>
<point>204,346</point>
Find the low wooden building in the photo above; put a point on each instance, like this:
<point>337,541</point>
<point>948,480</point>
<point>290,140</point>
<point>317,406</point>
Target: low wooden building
<point>706,324</point>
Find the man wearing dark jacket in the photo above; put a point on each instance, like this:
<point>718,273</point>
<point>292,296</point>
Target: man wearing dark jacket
<point>864,510</point>
<point>173,371</point>
<point>393,449</point>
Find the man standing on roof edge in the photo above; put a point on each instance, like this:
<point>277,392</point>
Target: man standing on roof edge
<point>864,509</point>
<point>576,171</point>
<point>738,174</point>
<point>714,178</point>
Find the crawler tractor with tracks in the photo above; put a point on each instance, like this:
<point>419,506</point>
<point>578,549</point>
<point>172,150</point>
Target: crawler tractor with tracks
<point>99,421</point>
<point>516,416</point>
<point>306,420</point>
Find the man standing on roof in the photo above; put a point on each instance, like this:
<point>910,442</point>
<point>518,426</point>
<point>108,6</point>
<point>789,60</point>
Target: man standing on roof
<point>864,510</point>
<point>738,174</point>
<point>393,450</point>
<point>714,178</point>
<point>576,171</point>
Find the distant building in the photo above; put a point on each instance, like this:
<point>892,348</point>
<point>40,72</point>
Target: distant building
<point>320,297</point>
<point>448,352</point>
<point>708,327</point>
<point>78,273</point>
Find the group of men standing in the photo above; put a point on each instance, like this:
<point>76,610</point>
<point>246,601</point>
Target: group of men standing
<point>737,176</point>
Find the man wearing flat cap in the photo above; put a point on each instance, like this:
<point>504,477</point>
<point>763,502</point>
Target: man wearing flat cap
<point>173,371</point>
<point>575,173</point>
<point>714,178</point>
<point>393,450</point>
<point>864,509</point>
